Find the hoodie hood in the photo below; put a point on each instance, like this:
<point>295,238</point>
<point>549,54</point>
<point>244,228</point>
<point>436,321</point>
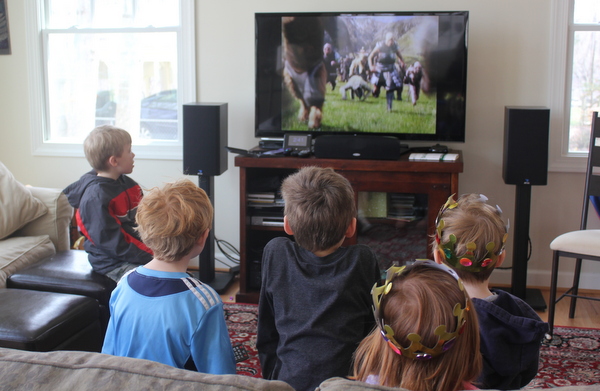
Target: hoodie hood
<point>511,335</point>
<point>75,190</point>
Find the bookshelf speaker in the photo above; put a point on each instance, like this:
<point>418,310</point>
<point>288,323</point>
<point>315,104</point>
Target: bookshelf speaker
<point>204,138</point>
<point>526,134</point>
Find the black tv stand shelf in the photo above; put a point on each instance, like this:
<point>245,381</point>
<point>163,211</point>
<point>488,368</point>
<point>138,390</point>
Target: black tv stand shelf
<point>438,180</point>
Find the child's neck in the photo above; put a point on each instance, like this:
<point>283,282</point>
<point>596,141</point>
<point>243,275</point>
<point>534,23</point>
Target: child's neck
<point>162,266</point>
<point>477,290</point>
<point>326,252</point>
<point>109,174</point>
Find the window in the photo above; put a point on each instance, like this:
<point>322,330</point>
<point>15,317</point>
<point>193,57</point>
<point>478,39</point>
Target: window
<point>126,63</point>
<point>575,81</point>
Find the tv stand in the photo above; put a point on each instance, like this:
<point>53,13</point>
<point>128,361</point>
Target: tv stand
<point>436,180</point>
<point>404,149</point>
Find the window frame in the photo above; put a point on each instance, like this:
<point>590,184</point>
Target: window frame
<point>561,56</point>
<point>38,102</point>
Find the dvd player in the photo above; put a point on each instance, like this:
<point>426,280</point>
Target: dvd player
<point>268,221</point>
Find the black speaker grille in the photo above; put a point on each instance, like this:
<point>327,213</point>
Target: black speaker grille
<point>526,134</point>
<point>204,138</point>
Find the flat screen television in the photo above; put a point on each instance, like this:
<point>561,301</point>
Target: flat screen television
<point>412,68</point>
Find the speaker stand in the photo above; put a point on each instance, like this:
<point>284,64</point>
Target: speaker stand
<point>219,281</point>
<point>533,297</point>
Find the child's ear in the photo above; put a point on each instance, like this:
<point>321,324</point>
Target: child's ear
<point>202,239</point>
<point>112,161</point>
<point>437,256</point>
<point>351,228</point>
<point>500,260</point>
<point>286,226</point>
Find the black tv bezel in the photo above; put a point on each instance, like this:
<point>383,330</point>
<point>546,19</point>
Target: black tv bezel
<point>458,132</point>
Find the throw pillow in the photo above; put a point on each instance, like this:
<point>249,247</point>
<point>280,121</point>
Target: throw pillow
<point>17,206</point>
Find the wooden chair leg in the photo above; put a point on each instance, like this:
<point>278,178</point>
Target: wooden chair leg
<point>553,286</point>
<point>575,290</point>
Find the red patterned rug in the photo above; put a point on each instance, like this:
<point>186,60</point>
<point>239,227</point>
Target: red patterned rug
<point>241,321</point>
<point>572,358</point>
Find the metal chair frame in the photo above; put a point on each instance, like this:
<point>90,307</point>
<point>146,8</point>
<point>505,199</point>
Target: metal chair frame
<point>592,188</point>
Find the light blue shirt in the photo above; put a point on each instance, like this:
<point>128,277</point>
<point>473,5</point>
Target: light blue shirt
<point>169,317</point>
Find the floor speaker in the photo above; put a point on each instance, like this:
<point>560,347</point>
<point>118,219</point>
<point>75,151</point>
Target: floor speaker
<point>357,147</point>
<point>204,138</point>
<point>526,134</point>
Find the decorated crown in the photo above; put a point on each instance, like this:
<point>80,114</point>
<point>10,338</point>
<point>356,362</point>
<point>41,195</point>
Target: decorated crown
<point>416,350</point>
<point>467,261</point>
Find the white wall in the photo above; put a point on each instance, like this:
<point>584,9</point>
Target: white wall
<point>509,65</point>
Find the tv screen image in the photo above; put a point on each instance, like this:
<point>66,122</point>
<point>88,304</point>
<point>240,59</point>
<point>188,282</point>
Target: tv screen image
<point>399,74</point>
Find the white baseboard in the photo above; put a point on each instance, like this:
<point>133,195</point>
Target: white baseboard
<point>220,261</point>
<point>541,278</point>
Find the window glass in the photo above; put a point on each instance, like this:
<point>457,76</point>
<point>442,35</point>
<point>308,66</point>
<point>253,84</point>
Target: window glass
<point>585,88</point>
<point>112,78</point>
<point>586,11</point>
<point>64,14</point>
<point>585,73</point>
<point>115,62</point>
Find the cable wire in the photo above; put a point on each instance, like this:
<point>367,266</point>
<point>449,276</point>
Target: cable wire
<point>228,250</point>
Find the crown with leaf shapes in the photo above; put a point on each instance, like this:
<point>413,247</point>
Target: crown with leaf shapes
<point>416,350</point>
<point>466,261</point>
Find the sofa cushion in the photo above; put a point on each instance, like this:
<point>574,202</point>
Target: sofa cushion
<point>17,205</point>
<point>56,222</point>
<point>340,384</point>
<point>65,370</point>
<point>18,252</point>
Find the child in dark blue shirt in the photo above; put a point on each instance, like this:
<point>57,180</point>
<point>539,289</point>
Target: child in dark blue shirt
<point>470,238</point>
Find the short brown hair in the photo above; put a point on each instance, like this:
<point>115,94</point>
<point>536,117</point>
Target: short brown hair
<point>172,218</point>
<point>102,143</point>
<point>473,221</point>
<point>319,205</point>
<point>420,300</point>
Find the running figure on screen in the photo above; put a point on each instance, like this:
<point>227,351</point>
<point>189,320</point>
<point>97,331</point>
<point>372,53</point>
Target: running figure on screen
<point>382,63</point>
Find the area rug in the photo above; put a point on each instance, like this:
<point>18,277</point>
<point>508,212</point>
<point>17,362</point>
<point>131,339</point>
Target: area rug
<point>572,358</point>
<point>395,244</point>
<point>241,321</point>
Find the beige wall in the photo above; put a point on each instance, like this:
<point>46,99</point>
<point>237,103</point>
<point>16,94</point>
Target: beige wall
<point>509,64</point>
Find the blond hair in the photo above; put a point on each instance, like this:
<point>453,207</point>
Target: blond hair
<point>319,205</point>
<point>473,221</point>
<point>102,143</point>
<point>420,300</point>
<point>172,218</point>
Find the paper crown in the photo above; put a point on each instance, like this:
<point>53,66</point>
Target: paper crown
<point>466,261</point>
<point>416,350</point>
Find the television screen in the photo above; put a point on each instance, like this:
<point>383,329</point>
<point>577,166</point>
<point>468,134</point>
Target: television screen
<point>401,74</point>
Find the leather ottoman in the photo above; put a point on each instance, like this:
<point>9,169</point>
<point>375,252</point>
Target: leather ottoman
<point>67,272</point>
<point>44,321</point>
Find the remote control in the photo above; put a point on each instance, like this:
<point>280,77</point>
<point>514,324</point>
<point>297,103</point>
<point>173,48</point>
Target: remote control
<point>304,153</point>
<point>240,353</point>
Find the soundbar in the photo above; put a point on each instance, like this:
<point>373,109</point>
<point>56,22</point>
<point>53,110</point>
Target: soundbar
<point>358,147</point>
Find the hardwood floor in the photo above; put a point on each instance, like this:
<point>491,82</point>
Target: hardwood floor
<point>587,313</point>
<point>229,295</point>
